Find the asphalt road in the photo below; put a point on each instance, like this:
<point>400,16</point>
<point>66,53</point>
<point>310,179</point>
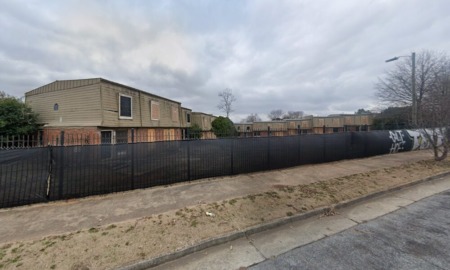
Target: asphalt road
<point>413,237</point>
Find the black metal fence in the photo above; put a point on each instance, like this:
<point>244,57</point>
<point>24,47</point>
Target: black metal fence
<point>41,174</point>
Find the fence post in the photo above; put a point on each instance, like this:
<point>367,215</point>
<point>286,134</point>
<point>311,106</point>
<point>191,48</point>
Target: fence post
<point>324,143</point>
<point>298,149</point>
<point>232,155</point>
<point>132,158</point>
<point>348,138</point>
<point>268,148</point>
<point>61,166</point>
<point>189,159</point>
<point>50,171</point>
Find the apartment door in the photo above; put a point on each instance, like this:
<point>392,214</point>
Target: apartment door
<point>106,139</point>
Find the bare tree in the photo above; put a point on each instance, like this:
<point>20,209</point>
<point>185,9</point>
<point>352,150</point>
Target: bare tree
<point>362,111</point>
<point>226,101</point>
<point>251,118</point>
<point>395,88</point>
<point>436,115</point>
<point>276,114</point>
<point>293,115</point>
<point>433,96</point>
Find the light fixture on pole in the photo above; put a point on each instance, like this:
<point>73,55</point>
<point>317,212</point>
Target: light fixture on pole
<point>413,85</point>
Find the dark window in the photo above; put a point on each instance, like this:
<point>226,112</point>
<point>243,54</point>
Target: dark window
<point>125,107</point>
<point>188,117</point>
<point>55,107</point>
<point>335,130</point>
<point>106,137</point>
<point>122,136</point>
<point>239,128</point>
<point>248,128</point>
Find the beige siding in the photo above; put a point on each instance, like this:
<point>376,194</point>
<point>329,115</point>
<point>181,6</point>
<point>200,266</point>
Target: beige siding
<point>247,127</point>
<point>61,85</point>
<point>273,125</point>
<point>78,106</point>
<point>141,106</point>
<point>358,120</point>
<point>166,109</point>
<point>203,120</point>
<point>328,121</point>
<point>183,117</point>
<point>110,106</point>
<point>303,123</point>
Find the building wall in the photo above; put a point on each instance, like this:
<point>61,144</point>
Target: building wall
<point>78,106</point>
<point>143,105</point>
<point>273,125</point>
<point>86,108</point>
<point>308,125</point>
<point>110,106</point>
<point>184,115</point>
<point>203,120</point>
<point>95,103</point>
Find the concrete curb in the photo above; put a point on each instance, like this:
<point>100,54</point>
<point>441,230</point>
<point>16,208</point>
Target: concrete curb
<point>269,225</point>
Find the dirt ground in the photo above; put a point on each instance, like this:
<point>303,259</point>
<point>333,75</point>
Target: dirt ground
<point>127,242</point>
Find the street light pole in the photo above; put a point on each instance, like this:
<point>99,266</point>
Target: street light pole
<point>413,86</point>
<point>414,94</point>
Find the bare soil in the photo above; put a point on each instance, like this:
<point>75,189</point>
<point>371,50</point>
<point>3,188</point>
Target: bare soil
<point>128,242</point>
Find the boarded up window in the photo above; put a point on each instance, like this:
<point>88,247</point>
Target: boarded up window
<point>175,115</point>
<point>125,107</point>
<point>122,136</point>
<point>155,111</point>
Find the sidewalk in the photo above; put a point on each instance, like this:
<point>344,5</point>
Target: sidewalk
<point>36,221</point>
<point>267,245</point>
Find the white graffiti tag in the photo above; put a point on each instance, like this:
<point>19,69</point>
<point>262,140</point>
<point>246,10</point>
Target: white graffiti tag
<point>398,141</point>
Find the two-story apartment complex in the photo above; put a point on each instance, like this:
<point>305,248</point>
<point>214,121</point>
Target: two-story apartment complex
<point>103,111</point>
<point>307,125</point>
<point>204,121</point>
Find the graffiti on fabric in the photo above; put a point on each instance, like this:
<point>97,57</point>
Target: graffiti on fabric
<point>419,139</point>
<point>411,140</point>
<point>398,141</point>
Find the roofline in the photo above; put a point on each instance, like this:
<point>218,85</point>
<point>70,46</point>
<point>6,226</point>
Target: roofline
<point>135,89</point>
<point>208,114</point>
<point>111,82</point>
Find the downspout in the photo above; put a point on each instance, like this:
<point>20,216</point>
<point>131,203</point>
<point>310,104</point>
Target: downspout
<point>101,104</point>
<point>140,107</point>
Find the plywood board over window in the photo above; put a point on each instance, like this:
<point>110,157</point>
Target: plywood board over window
<point>155,110</point>
<point>175,114</point>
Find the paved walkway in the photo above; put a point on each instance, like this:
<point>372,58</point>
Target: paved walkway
<point>419,239</point>
<point>36,221</point>
<point>414,237</point>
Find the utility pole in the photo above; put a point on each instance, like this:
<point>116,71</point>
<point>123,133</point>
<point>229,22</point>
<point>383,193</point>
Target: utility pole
<point>414,94</point>
<point>413,86</point>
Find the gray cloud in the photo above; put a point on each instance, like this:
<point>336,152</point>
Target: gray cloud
<point>321,57</point>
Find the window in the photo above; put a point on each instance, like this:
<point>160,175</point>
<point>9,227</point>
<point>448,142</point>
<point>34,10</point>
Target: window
<point>154,110</point>
<point>55,107</point>
<point>188,117</point>
<point>125,107</point>
<point>122,136</point>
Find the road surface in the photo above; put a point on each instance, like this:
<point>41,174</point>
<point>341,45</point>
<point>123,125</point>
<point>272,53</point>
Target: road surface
<point>414,237</point>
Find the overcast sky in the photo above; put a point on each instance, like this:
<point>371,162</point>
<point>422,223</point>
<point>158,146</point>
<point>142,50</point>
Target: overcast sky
<point>321,57</point>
